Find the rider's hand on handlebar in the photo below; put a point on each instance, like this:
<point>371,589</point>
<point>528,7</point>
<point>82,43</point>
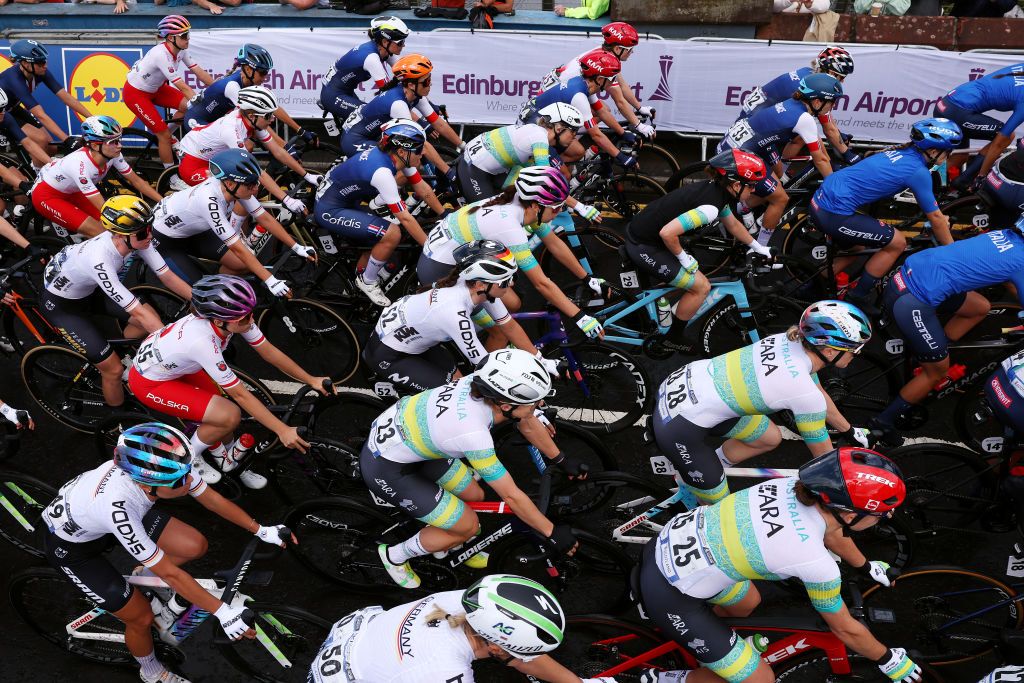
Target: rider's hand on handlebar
<point>275,535</point>
<point>646,112</point>
<point>646,130</point>
<point>590,326</point>
<point>879,572</point>
<point>629,137</point>
<point>898,666</point>
<point>19,418</point>
<point>563,539</point>
<point>324,386</point>
<point>588,212</point>
<point>294,205</point>
<point>625,160</point>
<point>290,438</point>
<point>277,287</point>
<point>756,247</point>
<point>308,253</point>
<point>310,137</point>
<point>236,621</point>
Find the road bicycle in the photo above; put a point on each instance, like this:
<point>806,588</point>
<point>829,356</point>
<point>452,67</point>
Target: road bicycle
<point>22,500</point>
<point>24,324</point>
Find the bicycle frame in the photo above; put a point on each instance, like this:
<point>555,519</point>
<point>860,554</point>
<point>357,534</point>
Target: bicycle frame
<point>21,314</point>
<point>556,334</point>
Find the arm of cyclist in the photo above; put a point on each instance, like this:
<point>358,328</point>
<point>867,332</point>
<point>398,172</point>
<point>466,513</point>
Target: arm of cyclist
<point>425,192</point>
<point>588,212</point>
<point>253,265</point>
<point>431,154</point>
<point>607,118</point>
<point>618,96</point>
<point>184,585</point>
<point>521,505</point>
<point>279,153</point>
<point>835,138</point>
<point>289,436</point>
<point>553,295</point>
<point>202,74</point>
<point>545,668</point>
<point>10,413</point>
<point>283,362</point>
<point>10,233</point>
<point>226,510</point>
<point>694,218</point>
<point>893,662</point>
<point>409,223</point>
<point>71,103</point>
<point>995,150</point>
<point>536,432</point>
<point>940,226</point>
<point>39,155</point>
<point>819,157</point>
<point>563,254</point>
<point>447,132</point>
<point>271,225</point>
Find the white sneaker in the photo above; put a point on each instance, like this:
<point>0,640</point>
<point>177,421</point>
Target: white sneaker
<point>209,474</point>
<point>177,184</point>
<point>165,677</point>
<point>402,574</point>
<point>373,292</point>
<point>252,480</point>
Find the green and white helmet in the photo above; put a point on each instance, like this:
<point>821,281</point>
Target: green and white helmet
<point>515,613</point>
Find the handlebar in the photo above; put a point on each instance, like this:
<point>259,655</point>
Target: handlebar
<point>235,576</point>
<point>12,271</point>
<point>304,391</point>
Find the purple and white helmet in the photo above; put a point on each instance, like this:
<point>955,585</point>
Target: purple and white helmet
<point>542,184</point>
<point>223,297</point>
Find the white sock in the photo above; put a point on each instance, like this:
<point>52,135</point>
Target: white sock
<point>198,445</point>
<point>151,666</point>
<point>168,165</point>
<point>720,452</point>
<point>372,272</point>
<point>406,550</point>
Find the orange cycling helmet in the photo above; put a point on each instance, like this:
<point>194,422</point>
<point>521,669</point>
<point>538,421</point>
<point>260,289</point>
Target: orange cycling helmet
<point>599,63</point>
<point>412,68</point>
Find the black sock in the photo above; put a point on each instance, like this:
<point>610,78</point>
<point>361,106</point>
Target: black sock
<point>677,333</point>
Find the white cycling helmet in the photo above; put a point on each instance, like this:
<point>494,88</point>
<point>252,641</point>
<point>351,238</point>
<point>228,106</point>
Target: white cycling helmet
<point>485,261</point>
<point>3,100</point>
<point>389,28</point>
<point>512,376</point>
<point>515,613</point>
<point>257,99</point>
<point>566,114</point>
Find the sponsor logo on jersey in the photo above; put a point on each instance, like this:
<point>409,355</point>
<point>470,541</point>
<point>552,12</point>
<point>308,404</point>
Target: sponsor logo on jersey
<point>98,79</point>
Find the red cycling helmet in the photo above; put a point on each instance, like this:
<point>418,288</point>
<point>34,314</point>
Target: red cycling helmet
<point>738,164</point>
<point>599,63</point>
<point>621,34</point>
<point>855,480</point>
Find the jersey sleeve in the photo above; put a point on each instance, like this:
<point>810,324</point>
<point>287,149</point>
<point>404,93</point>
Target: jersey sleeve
<point>51,82</point>
<point>22,93</point>
<point>11,128</point>
<point>823,583</point>
<point>254,336</point>
<point>384,182</point>
<point>121,165</point>
<point>252,205</point>
<point>373,66</point>
<point>582,102</point>
<point>920,184</point>
<point>807,128</point>
<point>263,136</point>
<point>130,532</point>
<point>231,89</point>
<point>518,242</point>
<point>424,108</point>
<point>153,259</point>
<point>196,485</point>
<point>186,58</point>
<point>106,277</point>
<point>480,455</point>
<point>809,412</point>
<point>498,312</point>
<point>539,148</point>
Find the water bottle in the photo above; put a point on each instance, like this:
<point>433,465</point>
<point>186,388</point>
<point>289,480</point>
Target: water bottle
<point>759,642</point>
<point>242,447</point>
<point>664,313</point>
<point>169,614</point>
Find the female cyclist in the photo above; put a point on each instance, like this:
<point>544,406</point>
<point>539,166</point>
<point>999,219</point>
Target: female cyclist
<point>732,396</point>
<point>653,237</point>
<point>504,617</point>
<point>157,80</point>
<point>778,529</point>
<point>180,371</point>
<point>151,462</point>
<point>82,286</point>
<point>415,450</point>
<point>404,346</point>
<point>65,191</point>
<point>907,166</point>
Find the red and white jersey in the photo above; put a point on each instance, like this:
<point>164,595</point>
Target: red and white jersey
<point>187,346</point>
<point>228,132</point>
<point>571,69</point>
<point>159,66</point>
<point>77,172</point>
<point>202,208</point>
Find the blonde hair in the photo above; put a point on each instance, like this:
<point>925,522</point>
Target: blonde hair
<point>793,333</point>
<point>438,614</point>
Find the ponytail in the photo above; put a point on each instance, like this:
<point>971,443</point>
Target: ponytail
<point>504,197</point>
<point>449,280</point>
<point>438,614</point>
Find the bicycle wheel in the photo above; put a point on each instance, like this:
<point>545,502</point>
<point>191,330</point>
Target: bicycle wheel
<point>287,641</point>
<point>22,499</point>
<point>976,424</point>
<point>948,487</point>
<point>608,392</point>
<point>110,428</point>
<point>806,259</point>
<point>65,385</point>
<point>818,669</point>
<point>327,468</point>
<point>515,453</point>
<point>724,329</point>
<point>598,250</point>
<point>310,331</point>
<point>140,147</point>
<point>656,162</point>
<point>346,417</point>
<point>863,388</point>
<point>168,305</point>
<point>596,575</point>
<point>947,614</point>
<point>595,643</point>
<point>625,197</point>
<point>890,541</point>
<point>691,173</point>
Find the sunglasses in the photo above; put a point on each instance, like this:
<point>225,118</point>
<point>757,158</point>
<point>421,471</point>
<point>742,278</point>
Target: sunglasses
<point>262,72</point>
<point>507,283</point>
<point>180,482</point>
<point>425,81</point>
<point>243,321</point>
<point>116,142</point>
<point>269,117</point>
<point>184,36</point>
<point>143,234</point>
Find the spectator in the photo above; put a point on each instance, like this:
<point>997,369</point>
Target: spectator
<point>305,4</point>
<point>797,6</point>
<point>483,12</point>
<point>120,6</point>
<point>213,7</point>
<point>986,8</point>
<point>895,8</point>
<point>588,9</point>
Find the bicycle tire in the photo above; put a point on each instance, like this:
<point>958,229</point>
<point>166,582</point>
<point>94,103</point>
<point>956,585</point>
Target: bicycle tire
<point>818,669</point>
<point>618,388</point>
<point>656,162</point>
<point>915,614</point>
<point>625,196</point>
<point>724,329</point>
<point>863,388</point>
<point>296,633</point>
<point>595,575</point>
<point>805,251</point>
<point>168,305</point>
<point>948,487</point>
<point>23,499</point>
<point>594,643</point>
<point>690,173</point>
<point>65,385</point>
<point>327,468</point>
<point>346,416</point>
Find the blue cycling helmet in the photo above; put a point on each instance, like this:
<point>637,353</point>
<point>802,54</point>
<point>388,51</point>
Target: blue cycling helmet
<point>101,129</point>
<point>836,324</point>
<point>941,134</point>
<point>255,56</point>
<point>402,134</point>
<point>154,454</point>
<point>820,87</point>
<point>29,51</point>
<point>235,164</point>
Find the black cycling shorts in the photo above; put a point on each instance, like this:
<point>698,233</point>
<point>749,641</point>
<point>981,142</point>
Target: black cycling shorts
<point>76,320</point>
<point>917,321</point>
<point>430,271</point>
<point>661,264</point>
<point>410,373</point>
<point>477,184</point>
<point>86,564</point>
<point>178,252</point>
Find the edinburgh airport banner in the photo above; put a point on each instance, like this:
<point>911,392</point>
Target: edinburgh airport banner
<point>485,77</point>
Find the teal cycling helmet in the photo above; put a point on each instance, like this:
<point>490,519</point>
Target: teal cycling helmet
<point>820,87</point>
<point>935,133</point>
<point>255,56</point>
<point>154,454</point>
<point>29,51</point>
<point>101,129</point>
<point>836,324</point>
<point>235,164</point>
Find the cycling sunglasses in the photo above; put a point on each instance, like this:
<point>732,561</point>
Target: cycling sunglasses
<point>143,234</point>
<point>243,320</point>
<point>506,283</point>
<point>116,142</point>
<point>181,481</point>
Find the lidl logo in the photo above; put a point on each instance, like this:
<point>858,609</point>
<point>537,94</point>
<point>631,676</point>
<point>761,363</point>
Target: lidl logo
<point>4,62</point>
<point>97,80</point>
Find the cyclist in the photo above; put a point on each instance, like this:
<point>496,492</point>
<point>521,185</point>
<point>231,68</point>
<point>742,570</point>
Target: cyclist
<point>620,39</point>
<point>415,450</point>
<point>17,417</point>
<point>404,347</point>
<point>370,175</point>
<point>151,462</point>
<point>941,282</point>
<point>597,69</point>
<point>701,565</point>
<point>370,61</point>
<point>834,61</point>
<point>502,616</point>
<point>534,200</point>
<point>834,205</point>
<point>398,100</point>
<point>18,82</point>
<point>769,130</point>
<point>11,175</point>
<point>205,222</point>
<point>1003,188</point>
<point>82,285</point>
<point>157,80</point>
<point>654,236</point>
<point>180,371</point>
<point>237,129</point>
<point>732,395</point>
<point>966,104</point>
<point>65,191</point>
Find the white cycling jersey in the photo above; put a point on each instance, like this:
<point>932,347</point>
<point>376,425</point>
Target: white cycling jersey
<point>1014,367</point>
<point>571,69</point>
<point>78,269</point>
<point>763,533</point>
<point>228,132</point>
<point>398,646</point>
<point>421,321</point>
<point>157,67</point>
<point>202,208</point>
<point>503,223</point>
<point>768,376</point>
<point>502,149</point>
<point>106,501</point>
<point>77,172</point>
<point>187,346</point>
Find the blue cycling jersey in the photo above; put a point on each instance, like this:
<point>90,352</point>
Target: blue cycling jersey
<point>770,129</point>
<point>934,275</point>
<point>19,89</point>
<point>10,129</point>
<point>880,175</point>
<point>349,71</point>
<point>774,91</point>
<point>218,99</point>
<point>377,112</point>
<point>999,91</point>
<point>351,182</point>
